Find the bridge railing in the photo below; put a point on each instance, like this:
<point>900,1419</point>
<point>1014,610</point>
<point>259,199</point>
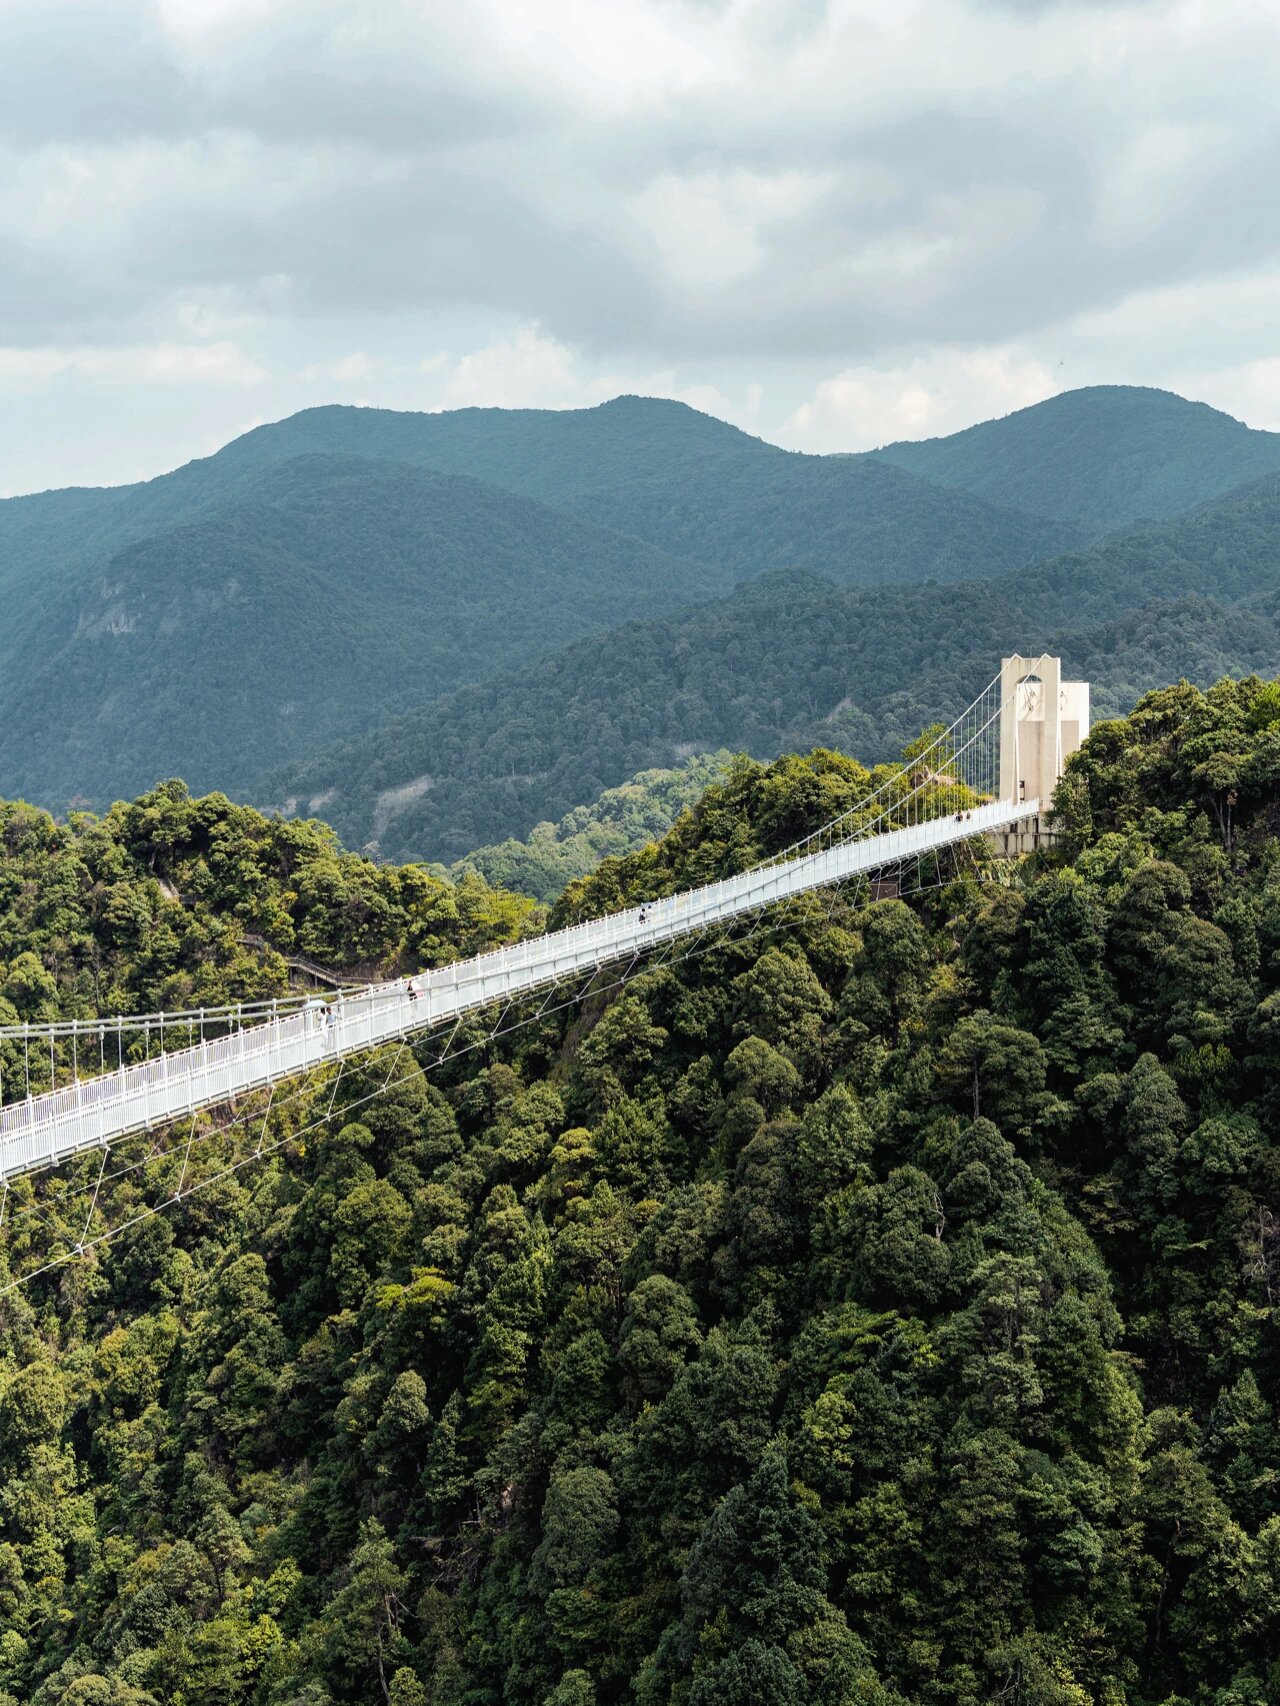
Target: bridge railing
<point>97,1111</point>
<point>949,781</point>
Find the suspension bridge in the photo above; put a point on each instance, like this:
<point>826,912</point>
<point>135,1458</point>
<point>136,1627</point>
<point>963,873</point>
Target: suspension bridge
<point>990,774</point>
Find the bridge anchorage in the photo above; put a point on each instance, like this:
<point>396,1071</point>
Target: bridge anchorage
<point>81,1087</point>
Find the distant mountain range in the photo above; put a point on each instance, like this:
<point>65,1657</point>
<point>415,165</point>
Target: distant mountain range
<point>441,629</point>
<point>1103,457</point>
<point>325,592</point>
<point>324,572</point>
<point>791,660</point>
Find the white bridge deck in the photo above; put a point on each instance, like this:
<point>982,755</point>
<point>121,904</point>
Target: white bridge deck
<point>95,1112</point>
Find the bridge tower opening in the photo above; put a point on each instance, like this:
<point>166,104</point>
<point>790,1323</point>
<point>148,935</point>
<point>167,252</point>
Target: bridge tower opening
<point>1043,720</point>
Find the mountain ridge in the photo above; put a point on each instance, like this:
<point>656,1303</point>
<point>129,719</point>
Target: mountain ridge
<point>1137,454</point>
<point>251,608</point>
<point>789,659</point>
<point>242,614</point>
<point>251,613</point>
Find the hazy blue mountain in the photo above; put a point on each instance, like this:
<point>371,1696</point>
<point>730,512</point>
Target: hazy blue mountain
<point>544,453</point>
<point>791,659</point>
<point>317,574</point>
<point>1106,456</point>
<point>692,485</point>
<point>552,454</point>
<point>325,573</point>
<point>344,587</point>
<point>850,517</point>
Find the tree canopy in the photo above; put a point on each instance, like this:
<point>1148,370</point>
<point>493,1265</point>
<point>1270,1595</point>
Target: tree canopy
<point>881,1308</point>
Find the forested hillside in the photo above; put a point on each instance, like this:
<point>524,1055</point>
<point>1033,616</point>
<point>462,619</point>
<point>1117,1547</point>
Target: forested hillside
<point>849,517</point>
<point>332,591</point>
<point>881,1309</point>
<point>328,570</point>
<point>170,902</point>
<point>692,485</point>
<point>1104,456</point>
<point>791,659</point>
<point>621,820</point>
<point>551,455</point>
<point>555,455</point>
<point>346,568</point>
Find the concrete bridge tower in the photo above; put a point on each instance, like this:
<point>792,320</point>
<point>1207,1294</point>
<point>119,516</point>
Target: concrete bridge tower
<point>1043,720</point>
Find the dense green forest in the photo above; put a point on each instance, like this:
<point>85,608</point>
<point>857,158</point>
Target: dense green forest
<point>878,1310</point>
<point>850,517</point>
<point>171,903</point>
<point>1105,456</point>
<point>790,660</point>
<point>621,820</point>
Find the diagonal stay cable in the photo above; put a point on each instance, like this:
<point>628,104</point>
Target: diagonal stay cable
<point>723,939</point>
<point>944,745</point>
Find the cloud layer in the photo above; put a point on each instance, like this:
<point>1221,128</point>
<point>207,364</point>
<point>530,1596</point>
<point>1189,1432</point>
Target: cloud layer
<point>836,221</point>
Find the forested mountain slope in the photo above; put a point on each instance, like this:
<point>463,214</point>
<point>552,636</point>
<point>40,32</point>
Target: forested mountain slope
<point>555,455</point>
<point>621,820</point>
<point>1105,456</point>
<point>789,659</point>
<point>333,590</point>
<point>169,903</point>
<point>259,604</point>
<point>849,517</point>
<point>881,1310</point>
<point>547,454</point>
<point>692,485</point>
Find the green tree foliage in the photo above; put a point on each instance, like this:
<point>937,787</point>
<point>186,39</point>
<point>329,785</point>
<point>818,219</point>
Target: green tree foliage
<point>879,1311</point>
<point>176,903</point>
<point>622,820</point>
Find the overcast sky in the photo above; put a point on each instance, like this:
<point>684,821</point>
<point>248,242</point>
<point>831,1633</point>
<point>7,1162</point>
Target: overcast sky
<point>832,223</point>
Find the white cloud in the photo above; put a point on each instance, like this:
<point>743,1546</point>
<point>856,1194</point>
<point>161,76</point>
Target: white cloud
<point>346,370</point>
<point>1162,168</point>
<point>156,364</point>
<point>522,370</point>
<point>838,220</point>
<point>926,397</point>
<point>209,320</point>
<point>708,226</point>
<point>527,369</point>
<point>1235,313</point>
<point>1250,391</point>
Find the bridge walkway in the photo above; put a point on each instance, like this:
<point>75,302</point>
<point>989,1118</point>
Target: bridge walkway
<point>45,1129</point>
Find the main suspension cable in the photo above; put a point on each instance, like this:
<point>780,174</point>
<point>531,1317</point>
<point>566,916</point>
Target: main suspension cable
<point>81,1247</point>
